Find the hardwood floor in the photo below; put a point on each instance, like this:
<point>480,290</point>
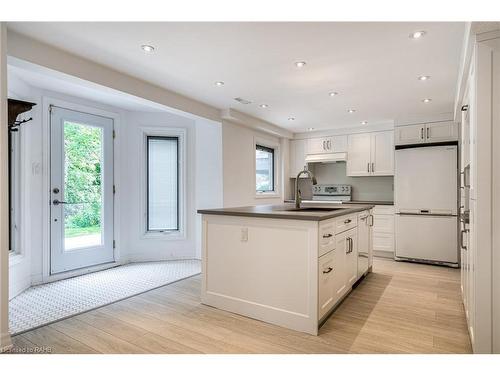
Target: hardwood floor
<point>399,308</point>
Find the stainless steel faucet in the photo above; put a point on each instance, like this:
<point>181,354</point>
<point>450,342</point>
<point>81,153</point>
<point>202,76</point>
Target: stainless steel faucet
<point>298,198</point>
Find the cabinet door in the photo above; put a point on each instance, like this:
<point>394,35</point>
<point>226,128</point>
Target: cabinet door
<point>326,292</point>
<point>297,156</point>
<point>382,153</point>
<point>317,146</point>
<point>410,134</point>
<point>441,131</point>
<point>363,242</point>
<point>326,237</point>
<point>359,154</point>
<point>340,274</point>
<point>351,261</point>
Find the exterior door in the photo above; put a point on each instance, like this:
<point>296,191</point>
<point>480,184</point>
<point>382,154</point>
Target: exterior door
<point>81,190</point>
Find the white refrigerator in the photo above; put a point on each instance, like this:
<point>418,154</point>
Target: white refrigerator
<point>425,198</point>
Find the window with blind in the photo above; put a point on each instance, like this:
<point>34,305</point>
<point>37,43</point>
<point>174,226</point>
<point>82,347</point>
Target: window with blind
<point>162,184</point>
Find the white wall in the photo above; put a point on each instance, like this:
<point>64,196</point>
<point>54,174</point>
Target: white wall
<point>239,165</point>
<point>4,205</point>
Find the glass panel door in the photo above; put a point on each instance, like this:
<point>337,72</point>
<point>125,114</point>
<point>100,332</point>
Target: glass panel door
<point>81,202</point>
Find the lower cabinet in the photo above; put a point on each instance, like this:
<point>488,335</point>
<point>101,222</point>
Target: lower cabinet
<point>383,230</point>
<point>326,275</point>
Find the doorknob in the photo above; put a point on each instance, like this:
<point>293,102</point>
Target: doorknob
<point>57,202</point>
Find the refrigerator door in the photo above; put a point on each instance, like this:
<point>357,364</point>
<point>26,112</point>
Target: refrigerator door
<point>426,180</point>
<point>426,237</point>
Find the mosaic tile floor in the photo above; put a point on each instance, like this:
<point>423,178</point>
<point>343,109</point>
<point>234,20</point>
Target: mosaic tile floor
<point>44,304</point>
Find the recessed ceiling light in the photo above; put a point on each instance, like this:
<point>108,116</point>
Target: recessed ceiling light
<point>364,122</point>
<point>219,83</point>
<point>300,64</point>
<point>427,100</point>
<point>333,93</point>
<point>424,78</point>
<point>351,110</point>
<point>147,48</point>
<point>291,118</point>
<point>263,106</point>
<point>417,34</point>
<point>310,129</point>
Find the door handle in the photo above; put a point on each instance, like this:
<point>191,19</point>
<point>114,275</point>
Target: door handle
<point>57,202</point>
<point>329,269</point>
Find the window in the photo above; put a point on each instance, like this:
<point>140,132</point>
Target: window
<point>162,183</point>
<point>264,165</point>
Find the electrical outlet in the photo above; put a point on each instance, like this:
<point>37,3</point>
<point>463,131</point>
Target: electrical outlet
<point>244,234</point>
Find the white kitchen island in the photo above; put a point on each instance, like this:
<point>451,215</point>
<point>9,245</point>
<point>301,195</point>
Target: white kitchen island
<point>284,266</point>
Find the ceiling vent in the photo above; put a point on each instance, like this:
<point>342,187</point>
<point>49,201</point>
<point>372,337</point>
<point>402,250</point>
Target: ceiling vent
<point>242,101</point>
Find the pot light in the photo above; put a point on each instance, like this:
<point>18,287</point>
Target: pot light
<point>351,110</point>
<point>219,83</point>
<point>424,78</point>
<point>417,34</point>
<point>300,64</point>
<point>291,118</point>
<point>364,122</point>
<point>333,93</point>
<point>147,48</point>
<point>263,106</point>
<point>427,100</point>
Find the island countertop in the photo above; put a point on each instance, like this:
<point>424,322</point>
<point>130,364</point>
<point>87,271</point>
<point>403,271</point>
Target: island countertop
<point>288,211</point>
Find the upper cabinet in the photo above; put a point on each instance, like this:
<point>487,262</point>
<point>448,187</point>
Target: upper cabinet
<point>371,154</point>
<point>426,133</point>
<point>326,145</point>
<point>297,156</point>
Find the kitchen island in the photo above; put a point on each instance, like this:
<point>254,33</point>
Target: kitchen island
<point>283,265</point>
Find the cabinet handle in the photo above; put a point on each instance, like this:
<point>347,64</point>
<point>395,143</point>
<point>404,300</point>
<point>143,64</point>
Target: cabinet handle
<point>324,147</point>
<point>327,235</point>
<point>428,132</point>
<point>348,245</point>
<point>371,220</point>
<point>329,143</point>
<point>421,133</point>
<point>373,167</point>
<point>329,269</point>
<point>347,221</point>
<point>352,244</point>
<point>462,232</point>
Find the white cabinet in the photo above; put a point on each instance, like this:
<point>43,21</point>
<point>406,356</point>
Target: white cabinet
<point>297,156</point>
<point>383,230</point>
<point>326,237</point>
<point>364,243</point>
<point>326,145</point>
<point>351,263</point>
<point>426,133</point>
<point>371,154</point>
<point>345,254</point>
<point>326,291</point>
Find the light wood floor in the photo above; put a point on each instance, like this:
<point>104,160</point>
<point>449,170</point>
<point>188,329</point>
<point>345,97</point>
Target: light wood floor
<point>399,308</point>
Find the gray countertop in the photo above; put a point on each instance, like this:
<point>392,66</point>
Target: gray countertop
<point>376,203</point>
<point>286,211</point>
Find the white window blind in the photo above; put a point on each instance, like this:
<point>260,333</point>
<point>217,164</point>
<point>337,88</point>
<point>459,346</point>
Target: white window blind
<point>163,183</point>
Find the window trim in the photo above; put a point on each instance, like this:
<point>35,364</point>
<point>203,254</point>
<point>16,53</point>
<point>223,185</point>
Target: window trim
<point>176,138</point>
<point>275,146</point>
<point>181,135</point>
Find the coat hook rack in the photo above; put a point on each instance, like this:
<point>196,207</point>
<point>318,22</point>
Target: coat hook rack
<point>16,107</point>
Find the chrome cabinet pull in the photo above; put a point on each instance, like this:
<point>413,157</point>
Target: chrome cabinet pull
<point>329,269</point>
<point>327,235</point>
<point>373,167</point>
<point>324,145</point>
<point>462,232</point>
<point>421,133</point>
<point>428,132</point>
<point>371,220</point>
<point>368,167</point>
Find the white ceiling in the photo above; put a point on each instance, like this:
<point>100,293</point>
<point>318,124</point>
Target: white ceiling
<point>373,66</point>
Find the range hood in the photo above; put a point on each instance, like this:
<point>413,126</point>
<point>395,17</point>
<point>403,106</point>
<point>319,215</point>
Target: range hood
<point>332,157</point>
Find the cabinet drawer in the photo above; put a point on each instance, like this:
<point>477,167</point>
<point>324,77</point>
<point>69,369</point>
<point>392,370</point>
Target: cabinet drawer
<point>346,222</point>
<point>383,242</point>
<point>326,237</point>
<point>383,224</point>
<point>326,293</point>
<point>383,210</point>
